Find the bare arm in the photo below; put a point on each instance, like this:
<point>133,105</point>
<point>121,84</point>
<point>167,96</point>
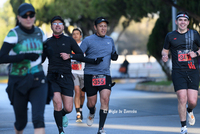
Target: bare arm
<point>194,54</point>
<point>165,54</point>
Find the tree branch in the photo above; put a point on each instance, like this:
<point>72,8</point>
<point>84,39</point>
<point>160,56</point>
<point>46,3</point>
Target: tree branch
<point>191,14</point>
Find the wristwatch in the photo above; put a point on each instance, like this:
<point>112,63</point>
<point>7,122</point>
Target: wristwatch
<point>197,53</point>
<point>71,56</point>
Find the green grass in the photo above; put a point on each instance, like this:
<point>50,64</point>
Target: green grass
<point>159,83</point>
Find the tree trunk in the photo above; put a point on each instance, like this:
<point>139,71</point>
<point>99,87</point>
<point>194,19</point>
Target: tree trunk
<point>165,68</point>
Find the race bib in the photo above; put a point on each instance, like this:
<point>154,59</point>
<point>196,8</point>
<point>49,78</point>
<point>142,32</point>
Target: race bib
<point>183,56</point>
<point>98,80</point>
<point>76,66</point>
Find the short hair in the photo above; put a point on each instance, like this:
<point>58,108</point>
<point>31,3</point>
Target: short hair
<point>78,29</point>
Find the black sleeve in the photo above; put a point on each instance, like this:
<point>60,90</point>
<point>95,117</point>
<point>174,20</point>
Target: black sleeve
<point>6,58</point>
<point>197,38</point>
<point>78,52</point>
<point>166,43</point>
<point>79,55</point>
<point>45,51</point>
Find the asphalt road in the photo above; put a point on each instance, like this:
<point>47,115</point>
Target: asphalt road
<point>131,112</point>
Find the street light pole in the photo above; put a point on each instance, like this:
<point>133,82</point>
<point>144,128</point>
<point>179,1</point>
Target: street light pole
<point>174,17</point>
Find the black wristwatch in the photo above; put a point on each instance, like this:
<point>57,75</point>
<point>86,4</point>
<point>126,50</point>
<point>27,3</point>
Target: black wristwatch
<point>197,53</point>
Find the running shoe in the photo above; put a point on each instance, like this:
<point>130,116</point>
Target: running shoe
<point>101,132</point>
<point>191,118</point>
<point>81,115</point>
<point>90,119</point>
<point>184,130</point>
<point>78,117</point>
<point>62,133</point>
<point>65,121</point>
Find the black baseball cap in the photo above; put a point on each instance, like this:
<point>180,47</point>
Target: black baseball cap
<point>24,8</point>
<point>57,18</point>
<point>100,19</point>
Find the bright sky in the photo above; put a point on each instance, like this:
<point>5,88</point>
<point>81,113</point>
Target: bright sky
<point>2,2</point>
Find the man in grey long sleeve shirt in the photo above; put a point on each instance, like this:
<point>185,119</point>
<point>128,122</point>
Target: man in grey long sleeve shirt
<point>97,77</point>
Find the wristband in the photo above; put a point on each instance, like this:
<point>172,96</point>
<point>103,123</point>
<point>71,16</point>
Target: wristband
<point>197,53</point>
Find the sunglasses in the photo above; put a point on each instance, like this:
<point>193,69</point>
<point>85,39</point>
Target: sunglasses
<point>57,23</point>
<point>31,15</point>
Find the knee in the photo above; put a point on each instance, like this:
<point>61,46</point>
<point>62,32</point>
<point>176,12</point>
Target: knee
<point>77,93</point>
<point>105,100</point>
<point>20,125</point>
<point>91,104</point>
<point>82,95</point>
<point>57,105</point>
<point>68,108</point>
<point>192,103</point>
<point>182,100</point>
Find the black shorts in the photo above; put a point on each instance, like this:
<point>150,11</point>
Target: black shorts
<point>185,79</point>
<point>92,90</point>
<point>62,83</point>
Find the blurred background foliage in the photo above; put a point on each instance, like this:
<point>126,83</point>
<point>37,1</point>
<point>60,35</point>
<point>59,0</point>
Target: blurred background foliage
<point>137,26</point>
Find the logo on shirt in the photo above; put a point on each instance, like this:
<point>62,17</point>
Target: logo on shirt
<point>63,44</point>
<point>175,38</point>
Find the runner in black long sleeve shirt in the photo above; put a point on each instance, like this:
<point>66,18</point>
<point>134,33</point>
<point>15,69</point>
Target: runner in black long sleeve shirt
<point>61,44</point>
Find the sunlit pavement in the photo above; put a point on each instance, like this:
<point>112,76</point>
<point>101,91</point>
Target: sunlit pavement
<point>131,112</point>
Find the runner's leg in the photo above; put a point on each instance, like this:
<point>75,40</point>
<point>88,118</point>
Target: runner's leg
<point>182,100</point>
<point>104,98</point>
<point>57,102</point>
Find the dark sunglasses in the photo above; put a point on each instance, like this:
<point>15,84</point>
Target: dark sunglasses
<point>25,16</point>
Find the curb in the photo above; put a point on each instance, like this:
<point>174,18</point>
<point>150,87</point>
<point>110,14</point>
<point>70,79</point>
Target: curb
<point>156,88</point>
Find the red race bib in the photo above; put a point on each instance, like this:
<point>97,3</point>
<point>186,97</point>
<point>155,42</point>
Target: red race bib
<point>183,56</point>
<point>99,80</point>
<point>76,66</point>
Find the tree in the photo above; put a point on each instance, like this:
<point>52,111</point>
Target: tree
<point>76,13</point>
<point>82,13</point>
<point>155,44</point>
<point>191,7</point>
<point>157,37</point>
<point>7,20</point>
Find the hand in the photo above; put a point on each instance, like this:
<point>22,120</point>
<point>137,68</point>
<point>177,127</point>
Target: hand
<point>165,58</point>
<point>31,56</point>
<point>192,54</point>
<point>114,56</point>
<point>65,56</point>
<point>98,60</point>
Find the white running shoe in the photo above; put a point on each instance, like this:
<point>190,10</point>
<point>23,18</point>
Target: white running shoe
<point>191,118</point>
<point>78,117</point>
<point>90,119</point>
<point>101,132</point>
<point>184,130</point>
